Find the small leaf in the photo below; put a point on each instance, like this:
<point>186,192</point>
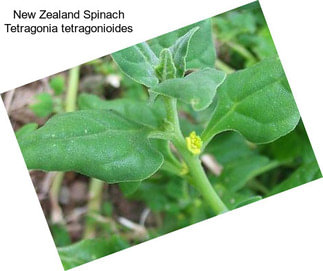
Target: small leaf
<point>89,250</point>
<point>179,51</point>
<point>197,89</point>
<point>129,188</point>
<point>119,149</point>
<point>138,62</point>
<point>304,174</point>
<point>166,68</point>
<point>45,105</point>
<point>256,102</point>
<point>57,83</point>
<point>201,52</point>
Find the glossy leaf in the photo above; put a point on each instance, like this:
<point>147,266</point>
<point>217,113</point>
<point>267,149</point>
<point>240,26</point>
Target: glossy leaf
<point>119,149</point>
<point>166,68</point>
<point>138,62</point>
<point>179,51</point>
<point>304,174</point>
<point>201,52</point>
<point>89,250</point>
<point>256,102</point>
<point>197,89</point>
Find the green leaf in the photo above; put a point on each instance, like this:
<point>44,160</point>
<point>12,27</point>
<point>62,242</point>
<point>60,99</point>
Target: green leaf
<point>119,149</point>
<point>201,52</point>
<point>60,235</point>
<point>197,89</point>
<point>138,62</point>
<point>129,188</point>
<point>88,250</point>
<point>256,102</point>
<point>139,111</point>
<point>179,51</point>
<point>228,147</point>
<point>57,83</point>
<point>304,174</point>
<point>237,173</point>
<point>25,130</point>
<point>235,199</point>
<point>166,68</point>
<point>45,105</point>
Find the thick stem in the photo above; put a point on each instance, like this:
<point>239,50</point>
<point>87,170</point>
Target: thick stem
<point>200,180</point>
<point>196,171</point>
<point>93,206</point>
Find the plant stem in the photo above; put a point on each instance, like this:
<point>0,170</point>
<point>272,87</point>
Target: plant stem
<point>242,51</point>
<point>70,105</point>
<point>73,83</point>
<point>200,180</point>
<point>196,171</point>
<point>93,207</point>
<point>223,66</point>
<point>56,211</point>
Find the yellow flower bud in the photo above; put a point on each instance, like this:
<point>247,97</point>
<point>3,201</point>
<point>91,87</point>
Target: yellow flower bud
<point>194,143</point>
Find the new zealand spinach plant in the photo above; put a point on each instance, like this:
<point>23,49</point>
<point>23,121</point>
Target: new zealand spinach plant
<point>127,141</point>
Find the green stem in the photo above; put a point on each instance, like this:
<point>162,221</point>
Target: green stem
<point>73,84</point>
<point>223,66</point>
<point>70,105</point>
<point>242,51</point>
<point>200,180</point>
<point>56,211</point>
<point>196,171</point>
<point>93,207</point>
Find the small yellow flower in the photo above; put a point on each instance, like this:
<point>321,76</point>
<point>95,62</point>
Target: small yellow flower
<point>194,143</point>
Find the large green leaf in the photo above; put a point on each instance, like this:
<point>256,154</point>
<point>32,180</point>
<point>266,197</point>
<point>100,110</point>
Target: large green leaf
<point>201,52</point>
<point>89,250</point>
<point>197,89</point>
<point>138,63</point>
<point>136,110</point>
<point>304,174</point>
<point>256,102</point>
<point>119,149</point>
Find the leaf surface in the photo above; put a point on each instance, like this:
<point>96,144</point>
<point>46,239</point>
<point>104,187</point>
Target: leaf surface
<point>118,149</point>
<point>256,102</point>
<point>139,111</point>
<point>89,250</point>
<point>179,51</point>
<point>197,89</point>
<point>138,62</point>
<point>304,174</point>
<point>166,68</point>
<point>201,52</point>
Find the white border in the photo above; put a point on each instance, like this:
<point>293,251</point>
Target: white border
<point>283,232</point>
